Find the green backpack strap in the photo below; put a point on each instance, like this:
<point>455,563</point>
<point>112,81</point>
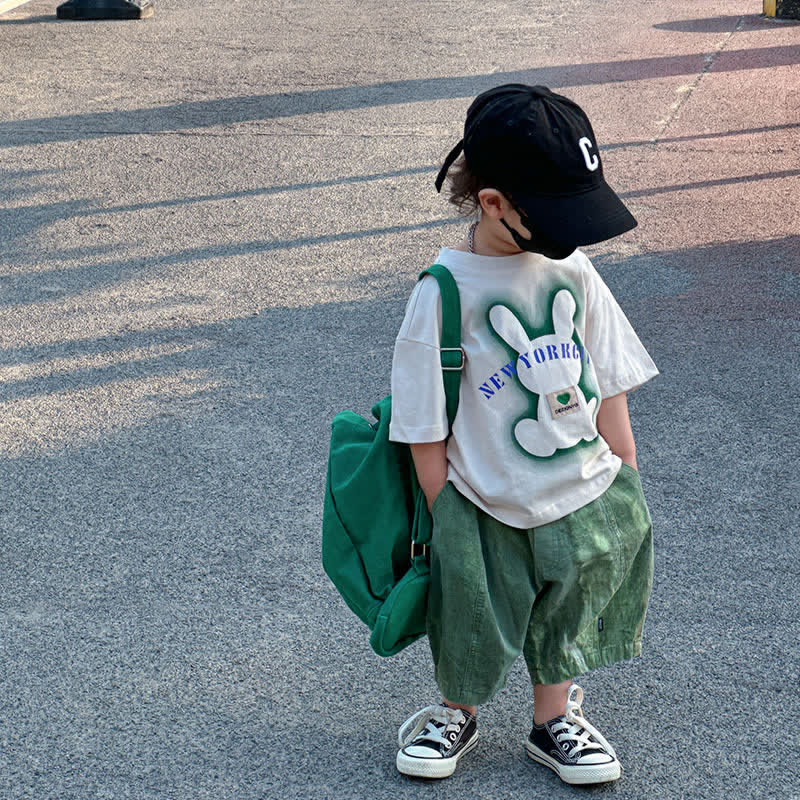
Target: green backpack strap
<point>452,354</point>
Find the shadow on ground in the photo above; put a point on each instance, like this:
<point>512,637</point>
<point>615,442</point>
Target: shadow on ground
<point>165,610</point>
<point>233,110</point>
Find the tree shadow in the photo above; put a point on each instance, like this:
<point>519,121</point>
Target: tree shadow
<point>20,182</point>
<point>96,270</point>
<point>232,110</point>
<point>28,288</point>
<point>721,24</point>
<point>730,282</point>
<point>695,137</point>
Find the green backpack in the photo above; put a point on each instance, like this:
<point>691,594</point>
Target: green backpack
<point>375,522</point>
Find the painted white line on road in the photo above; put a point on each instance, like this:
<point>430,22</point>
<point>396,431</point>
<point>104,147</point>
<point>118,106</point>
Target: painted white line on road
<point>7,5</point>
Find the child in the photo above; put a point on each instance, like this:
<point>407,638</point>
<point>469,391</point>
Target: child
<point>542,541</point>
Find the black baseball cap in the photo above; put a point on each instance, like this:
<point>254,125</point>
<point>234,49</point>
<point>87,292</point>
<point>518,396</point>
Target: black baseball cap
<point>539,149</point>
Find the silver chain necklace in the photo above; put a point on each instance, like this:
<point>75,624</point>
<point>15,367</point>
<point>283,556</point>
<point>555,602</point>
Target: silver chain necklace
<point>472,237</point>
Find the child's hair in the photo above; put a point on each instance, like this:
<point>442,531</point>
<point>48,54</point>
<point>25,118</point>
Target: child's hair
<point>463,188</point>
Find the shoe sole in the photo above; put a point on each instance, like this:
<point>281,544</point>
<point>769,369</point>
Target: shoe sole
<point>432,767</point>
<point>597,773</point>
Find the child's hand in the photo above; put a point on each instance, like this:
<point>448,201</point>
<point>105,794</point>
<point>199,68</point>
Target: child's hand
<point>614,426</point>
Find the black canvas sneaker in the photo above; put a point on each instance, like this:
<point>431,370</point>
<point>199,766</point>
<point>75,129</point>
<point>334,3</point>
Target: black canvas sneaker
<point>434,739</point>
<point>575,750</point>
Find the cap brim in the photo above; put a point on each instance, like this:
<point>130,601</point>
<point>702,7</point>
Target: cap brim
<point>586,218</point>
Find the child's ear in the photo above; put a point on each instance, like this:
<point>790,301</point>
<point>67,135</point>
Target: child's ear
<point>563,312</point>
<point>492,203</point>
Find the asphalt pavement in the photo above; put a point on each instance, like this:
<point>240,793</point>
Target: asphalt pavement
<point>209,224</point>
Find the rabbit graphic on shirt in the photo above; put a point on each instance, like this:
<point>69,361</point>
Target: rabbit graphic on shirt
<point>550,366</point>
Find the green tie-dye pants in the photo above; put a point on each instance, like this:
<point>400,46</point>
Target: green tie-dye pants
<point>570,595</point>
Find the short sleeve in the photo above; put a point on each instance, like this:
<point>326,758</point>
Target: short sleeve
<point>419,406</point>
<point>621,362</point>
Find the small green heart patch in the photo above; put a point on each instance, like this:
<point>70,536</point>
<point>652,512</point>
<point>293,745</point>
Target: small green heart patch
<point>563,398</point>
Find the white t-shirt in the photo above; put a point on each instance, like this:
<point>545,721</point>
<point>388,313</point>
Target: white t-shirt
<point>544,342</point>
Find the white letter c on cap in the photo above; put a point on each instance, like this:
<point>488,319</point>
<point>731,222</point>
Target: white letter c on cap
<point>592,161</point>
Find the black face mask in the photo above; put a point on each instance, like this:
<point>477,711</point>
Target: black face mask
<point>539,242</point>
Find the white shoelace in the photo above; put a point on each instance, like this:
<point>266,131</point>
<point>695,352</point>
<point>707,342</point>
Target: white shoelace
<point>423,724</point>
<point>577,730</point>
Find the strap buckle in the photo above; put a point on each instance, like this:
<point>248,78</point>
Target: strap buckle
<point>422,549</point>
<point>460,366</point>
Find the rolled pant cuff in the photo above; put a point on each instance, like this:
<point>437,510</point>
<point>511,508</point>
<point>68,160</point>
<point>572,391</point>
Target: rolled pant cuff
<point>572,666</point>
